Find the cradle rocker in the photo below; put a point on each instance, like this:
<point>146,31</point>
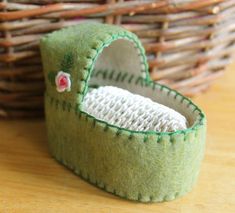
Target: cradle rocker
<point>146,166</point>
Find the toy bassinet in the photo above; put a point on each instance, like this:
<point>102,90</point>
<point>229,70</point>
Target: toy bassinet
<point>147,166</point>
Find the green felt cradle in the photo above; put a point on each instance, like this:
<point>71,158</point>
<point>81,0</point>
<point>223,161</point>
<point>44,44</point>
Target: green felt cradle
<point>143,166</point>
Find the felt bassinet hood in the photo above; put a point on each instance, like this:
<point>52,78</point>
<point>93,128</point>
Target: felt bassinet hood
<point>146,166</point>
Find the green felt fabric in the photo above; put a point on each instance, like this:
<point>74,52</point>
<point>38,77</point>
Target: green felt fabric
<point>142,166</point>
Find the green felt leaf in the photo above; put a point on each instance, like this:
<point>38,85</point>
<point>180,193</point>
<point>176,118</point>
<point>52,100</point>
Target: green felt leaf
<point>67,62</point>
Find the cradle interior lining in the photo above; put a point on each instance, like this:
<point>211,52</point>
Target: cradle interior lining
<point>121,54</point>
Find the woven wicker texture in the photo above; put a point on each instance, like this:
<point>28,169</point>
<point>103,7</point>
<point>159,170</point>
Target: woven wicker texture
<point>121,108</point>
<point>188,42</point>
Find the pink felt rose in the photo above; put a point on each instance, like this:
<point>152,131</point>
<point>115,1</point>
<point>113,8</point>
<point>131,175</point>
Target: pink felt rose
<point>63,82</point>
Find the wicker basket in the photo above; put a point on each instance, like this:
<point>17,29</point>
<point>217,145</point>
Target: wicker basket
<point>188,42</point>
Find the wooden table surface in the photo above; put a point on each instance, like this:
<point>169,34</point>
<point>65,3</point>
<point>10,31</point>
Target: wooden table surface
<point>32,181</point>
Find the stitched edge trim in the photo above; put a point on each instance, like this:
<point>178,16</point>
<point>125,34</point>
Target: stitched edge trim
<point>131,37</point>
